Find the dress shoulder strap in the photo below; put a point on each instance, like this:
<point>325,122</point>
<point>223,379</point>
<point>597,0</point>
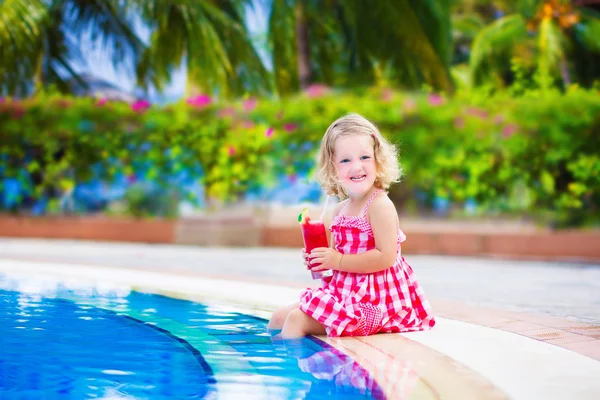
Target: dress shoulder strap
<point>375,193</point>
<point>343,207</point>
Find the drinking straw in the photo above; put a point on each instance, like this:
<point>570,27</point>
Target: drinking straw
<point>324,208</point>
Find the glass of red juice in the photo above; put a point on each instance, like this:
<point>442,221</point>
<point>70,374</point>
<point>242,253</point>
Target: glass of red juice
<point>314,235</point>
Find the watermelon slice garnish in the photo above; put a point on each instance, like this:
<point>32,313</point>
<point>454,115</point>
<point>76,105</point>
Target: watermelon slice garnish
<point>303,217</point>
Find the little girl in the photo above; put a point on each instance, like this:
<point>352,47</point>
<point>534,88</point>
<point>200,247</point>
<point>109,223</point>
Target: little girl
<point>373,289</point>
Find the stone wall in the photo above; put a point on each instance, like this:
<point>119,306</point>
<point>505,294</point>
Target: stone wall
<point>244,230</point>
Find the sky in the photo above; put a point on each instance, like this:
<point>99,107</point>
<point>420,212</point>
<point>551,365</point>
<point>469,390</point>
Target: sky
<point>99,65</point>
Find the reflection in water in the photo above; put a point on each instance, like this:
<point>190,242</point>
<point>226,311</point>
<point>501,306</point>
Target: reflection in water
<point>375,377</point>
<point>333,365</point>
<point>394,375</point>
<point>331,368</point>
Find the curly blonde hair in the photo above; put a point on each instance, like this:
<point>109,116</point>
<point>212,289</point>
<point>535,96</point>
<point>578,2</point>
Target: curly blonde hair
<point>386,154</point>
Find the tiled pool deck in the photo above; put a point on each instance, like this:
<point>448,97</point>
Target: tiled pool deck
<point>506,329</point>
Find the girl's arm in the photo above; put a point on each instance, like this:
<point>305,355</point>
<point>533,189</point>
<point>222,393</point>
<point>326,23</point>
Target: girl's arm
<point>384,222</point>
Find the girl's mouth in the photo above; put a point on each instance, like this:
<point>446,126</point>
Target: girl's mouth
<point>359,178</point>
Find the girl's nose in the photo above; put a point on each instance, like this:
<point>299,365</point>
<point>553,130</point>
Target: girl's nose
<point>357,165</point>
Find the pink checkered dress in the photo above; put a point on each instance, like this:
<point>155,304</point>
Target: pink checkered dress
<point>350,304</point>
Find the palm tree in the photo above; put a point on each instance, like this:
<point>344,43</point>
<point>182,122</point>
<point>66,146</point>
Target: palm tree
<point>336,42</point>
<point>39,40</point>
<point>557,37</point>
<point>210,37</point>
<point>39,43</point>
<point>353,41</point>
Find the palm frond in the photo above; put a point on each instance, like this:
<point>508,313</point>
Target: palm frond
<point>211,39</point>
<point>415,51</point>
<point>36,45</point>
<point>551,42</point>
<point>467,25</point>
<point>21,27</point>
<point>588,33</point>
<point>496,39</point>
<point>551,48</point>
<point>528,8</point>
<point>107,22</point>
<point>282,39</point>
<point>434,18</point>
<point>585,54</point>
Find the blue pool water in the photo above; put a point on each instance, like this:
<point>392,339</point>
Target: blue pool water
<point>68,343</point>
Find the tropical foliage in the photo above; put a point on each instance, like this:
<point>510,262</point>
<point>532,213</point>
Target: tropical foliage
<point>311,41</point>
<point>513,127</point>
<point>41,40</point>
<point>537,153</point>
<point>210,38</point>
<point>354,43</point>
<point>555,40</point>
<point>343,44</point>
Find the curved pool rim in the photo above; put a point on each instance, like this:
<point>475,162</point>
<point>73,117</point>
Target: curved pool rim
<point>437,374</point>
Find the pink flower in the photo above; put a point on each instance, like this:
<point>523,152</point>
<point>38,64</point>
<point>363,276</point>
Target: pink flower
<point>409,105</point>
<point>250,104</point>
<point>289,127</point>
<point>231,151</point>
<point>269,132</point>
<point>435,100</point>
<point>498,119</point>
<point>101,101</point>
<point>131,178</point>
<point>2,100</point>
<point>247,124</point>
<point>459,123</point>
<point>279,115</point>
<point>226,112</point>
<point>509,130</point>
<point>293,178</point>
<point>199,101</point>
<point>387,95</point>
<point>140,106</point>
<point>477,112</point>
<point>317,90</point>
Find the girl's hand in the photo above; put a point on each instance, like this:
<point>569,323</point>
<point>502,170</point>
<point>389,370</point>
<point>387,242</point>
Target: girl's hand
<point>305,258</point>
<point>327,257</point>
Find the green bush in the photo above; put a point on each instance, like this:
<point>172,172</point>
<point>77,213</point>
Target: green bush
<point>536,154</point>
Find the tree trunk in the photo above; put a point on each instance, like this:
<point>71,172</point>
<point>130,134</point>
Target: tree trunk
<point>305,73</point>
<point>564,72</point>
<point>38,78</point>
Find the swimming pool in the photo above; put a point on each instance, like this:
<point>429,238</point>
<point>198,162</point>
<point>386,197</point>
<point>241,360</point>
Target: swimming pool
<point>59,340</point>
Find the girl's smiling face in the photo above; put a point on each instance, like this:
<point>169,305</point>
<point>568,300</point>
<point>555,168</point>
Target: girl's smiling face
<point>355,164</point>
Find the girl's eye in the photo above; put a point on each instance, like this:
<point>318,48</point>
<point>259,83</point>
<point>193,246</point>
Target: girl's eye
<point>365,157</point>
<point>345,160</point>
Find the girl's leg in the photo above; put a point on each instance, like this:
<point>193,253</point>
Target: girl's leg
<point>298,324</point>
<point>279,316</point>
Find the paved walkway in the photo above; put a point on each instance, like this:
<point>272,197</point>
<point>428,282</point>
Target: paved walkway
<point>567,290</point>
